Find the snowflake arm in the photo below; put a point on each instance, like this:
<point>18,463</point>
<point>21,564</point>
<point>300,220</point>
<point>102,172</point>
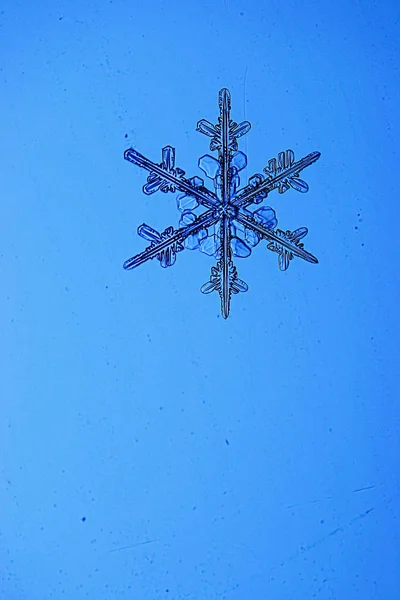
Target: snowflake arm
<point>282,174</point>
<point>225,133</point>
<point>285,243</point>
<point>224,278</point>
<point>167,178</point>
<point>164,246</point>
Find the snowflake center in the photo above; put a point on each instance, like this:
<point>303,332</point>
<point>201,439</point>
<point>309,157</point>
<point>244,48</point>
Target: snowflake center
<point>228,210</point>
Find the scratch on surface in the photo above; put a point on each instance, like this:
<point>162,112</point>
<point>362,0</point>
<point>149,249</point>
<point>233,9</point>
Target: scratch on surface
<point>307,502</point>
<point>362,515</point>
<point>244,92</point>
<point>342,529</point>
<point>133,545</point>
<point>363,489</point>
<point>308,547</point>
<point>244,113</point>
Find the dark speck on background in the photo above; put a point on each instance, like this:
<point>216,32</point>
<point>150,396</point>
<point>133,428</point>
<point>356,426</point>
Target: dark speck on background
<point>83,519</point>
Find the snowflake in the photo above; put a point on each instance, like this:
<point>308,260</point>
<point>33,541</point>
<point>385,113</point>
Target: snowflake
<point>227,227</point>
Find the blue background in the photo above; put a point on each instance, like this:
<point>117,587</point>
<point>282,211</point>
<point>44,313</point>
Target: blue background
<point>150,449</point>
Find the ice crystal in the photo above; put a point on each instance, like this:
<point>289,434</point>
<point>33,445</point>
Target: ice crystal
<point>227,227</point>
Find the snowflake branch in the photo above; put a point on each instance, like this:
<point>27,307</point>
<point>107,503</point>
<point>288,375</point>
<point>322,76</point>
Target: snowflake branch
<point>225,133</point>
<point>280,241</point>
<point>165,245</point>
<point>167,178</point>
<point>224,278</point>
<point>281,176</point>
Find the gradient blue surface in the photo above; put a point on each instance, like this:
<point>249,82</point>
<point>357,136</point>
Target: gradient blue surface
<point>150,449</point>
